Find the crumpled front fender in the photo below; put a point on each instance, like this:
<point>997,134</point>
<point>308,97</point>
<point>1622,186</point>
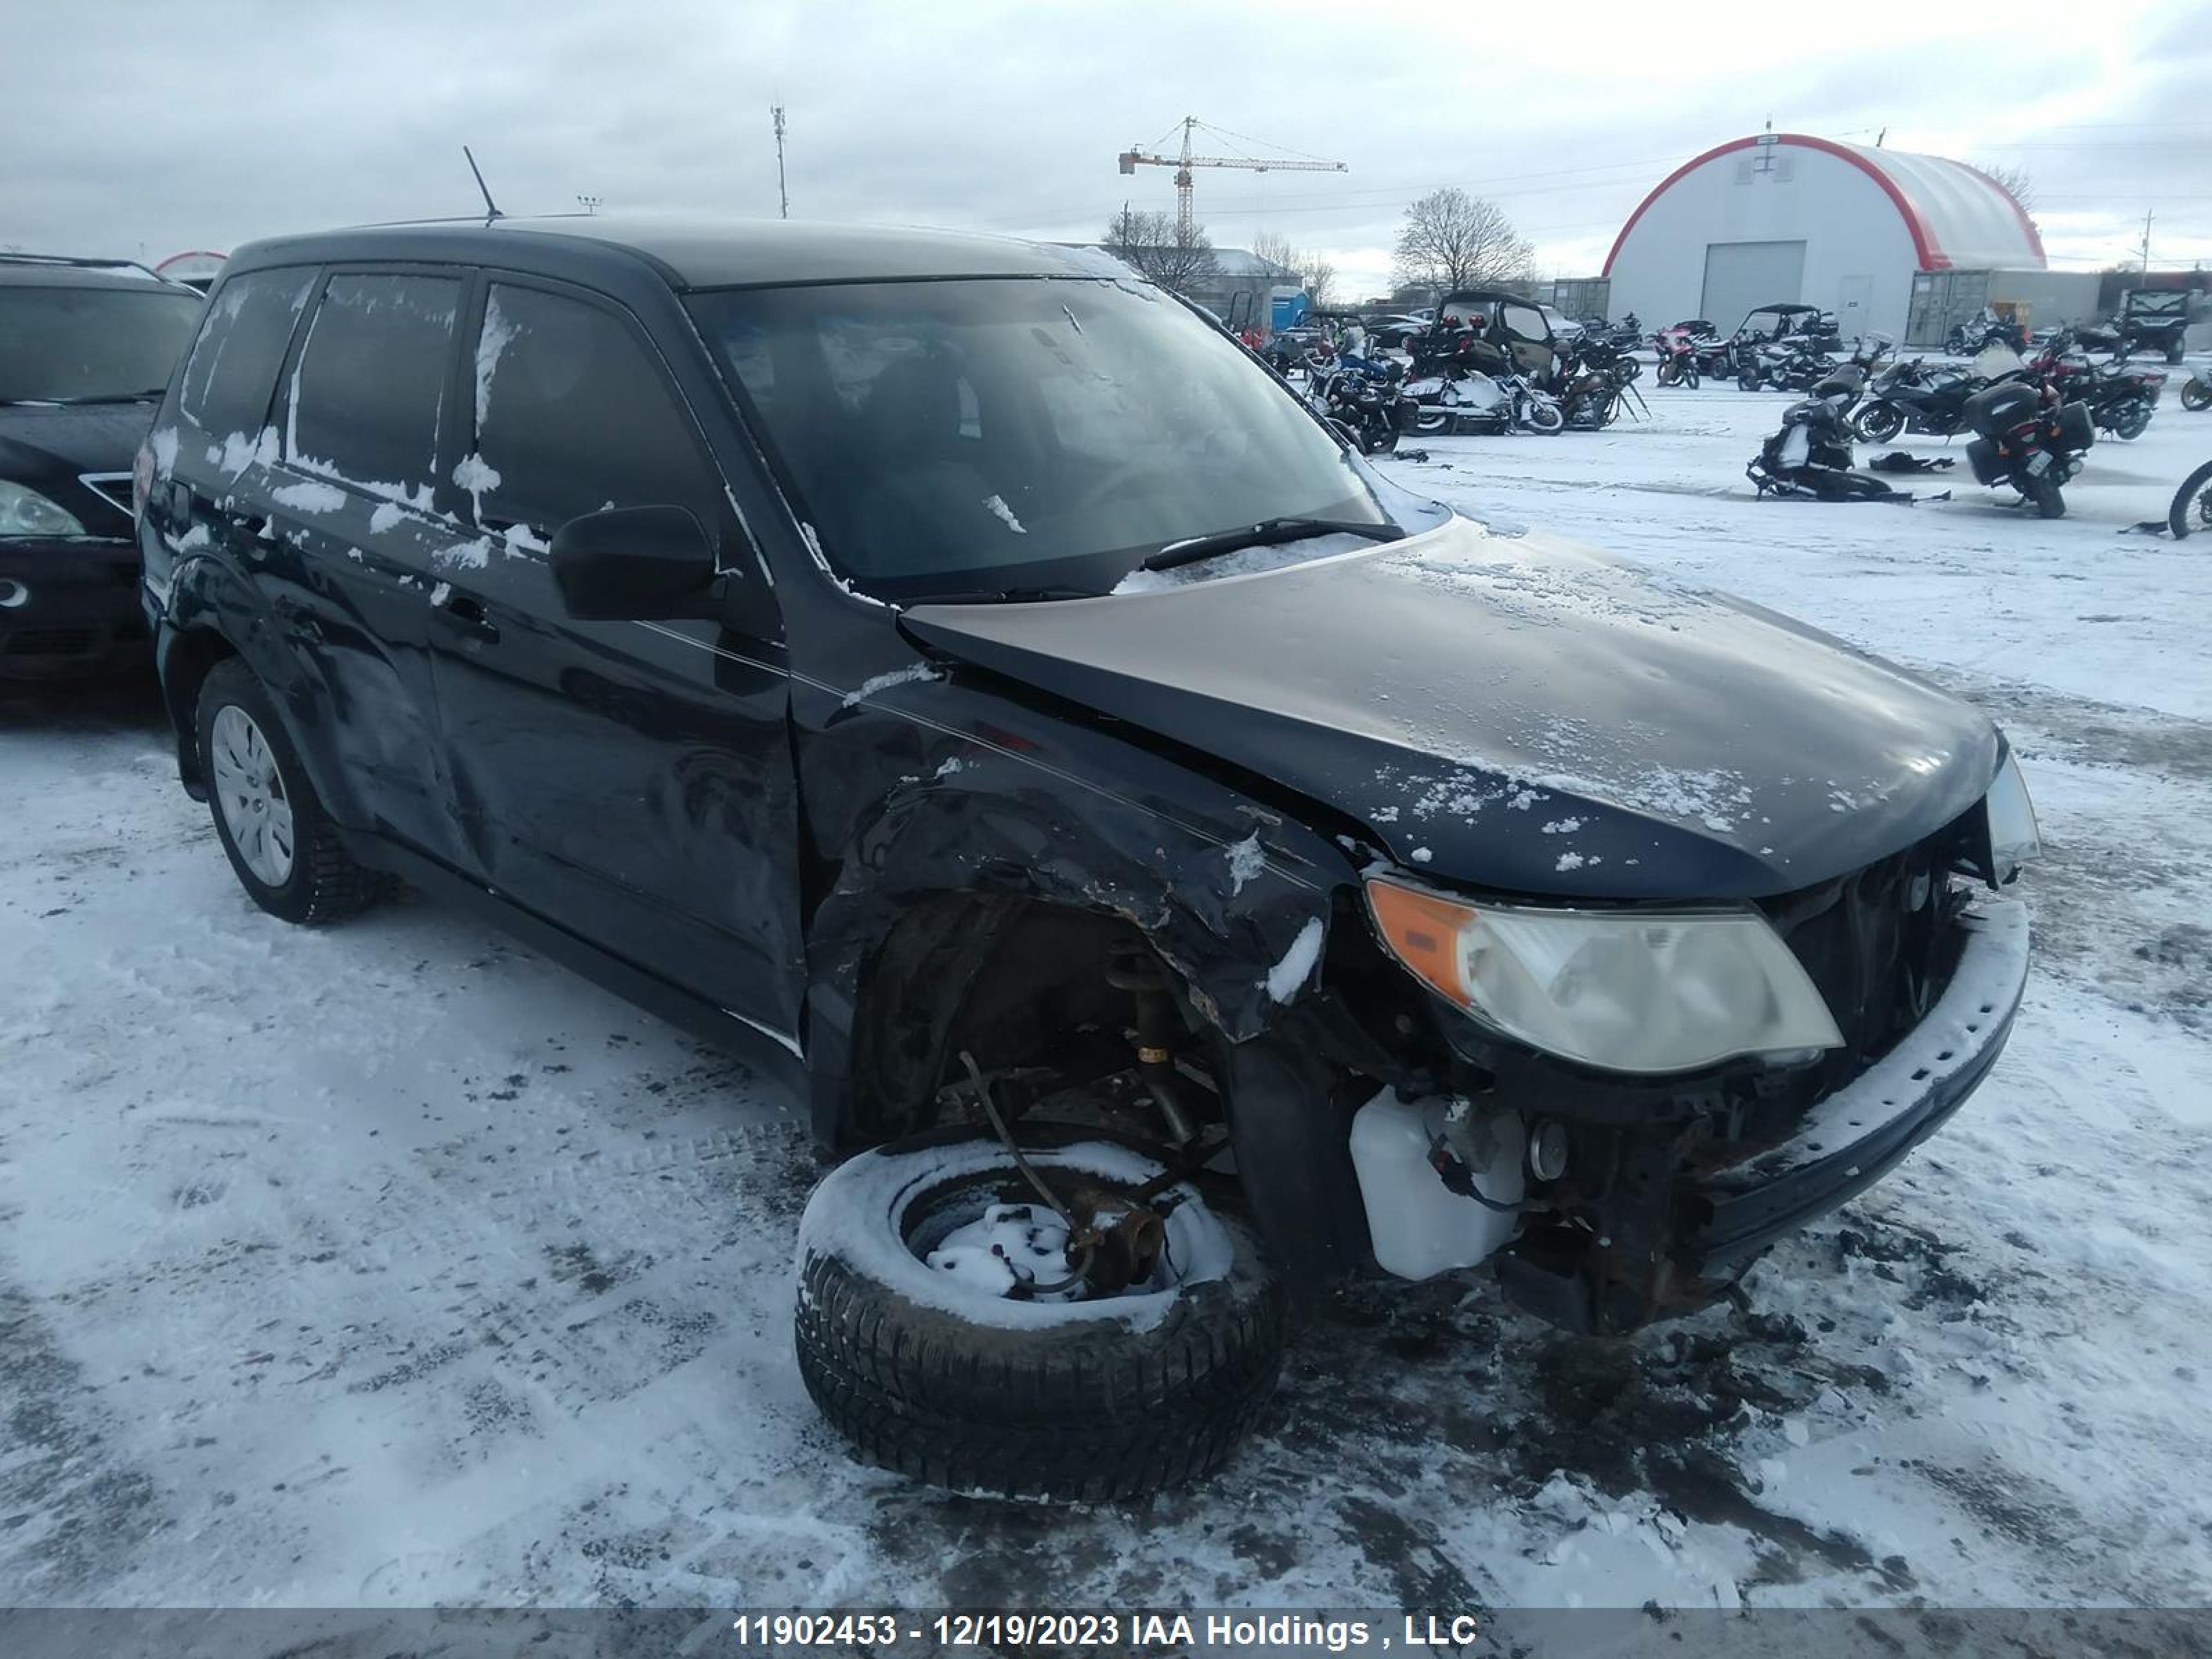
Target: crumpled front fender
<point>932,790</point>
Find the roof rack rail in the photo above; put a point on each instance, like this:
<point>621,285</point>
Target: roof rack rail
<point>76,262</point>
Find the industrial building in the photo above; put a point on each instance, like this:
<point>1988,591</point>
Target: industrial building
<point>1902,244</point>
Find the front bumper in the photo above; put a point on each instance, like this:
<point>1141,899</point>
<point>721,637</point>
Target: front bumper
<point>1678,1238</point>
<point>1856,1135</point>
<point>70,607</point>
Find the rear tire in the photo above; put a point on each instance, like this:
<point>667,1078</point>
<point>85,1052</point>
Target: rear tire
<point>2196,394</point>
<point>1019,1400</point>
<point>2132,421</point>
<point>1747,383</point>
<point>2192,504</point>
<point>2049,501</point>
<point>1429,422</point>
<point>300,872</point>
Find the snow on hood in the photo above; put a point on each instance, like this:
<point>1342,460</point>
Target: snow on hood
<point>1455,693</point>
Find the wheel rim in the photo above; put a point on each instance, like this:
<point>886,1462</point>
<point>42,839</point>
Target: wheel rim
<point>250,793</point>
<point>988,1239</point>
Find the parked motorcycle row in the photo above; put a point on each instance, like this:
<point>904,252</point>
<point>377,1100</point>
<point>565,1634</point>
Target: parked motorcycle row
<point>1491,363</point>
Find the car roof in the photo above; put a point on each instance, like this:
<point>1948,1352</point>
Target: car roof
<point>693,252</point>
<point>61,270</point>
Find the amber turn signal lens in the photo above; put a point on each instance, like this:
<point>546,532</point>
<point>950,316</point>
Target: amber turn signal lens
<point>1423,931</point>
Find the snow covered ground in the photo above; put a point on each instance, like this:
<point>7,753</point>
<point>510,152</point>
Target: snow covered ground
<point>393,1264</point>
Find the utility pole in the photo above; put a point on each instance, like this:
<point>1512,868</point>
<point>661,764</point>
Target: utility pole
<point>589,204</point>
<point>783,196</point>
<point>2146,242</point>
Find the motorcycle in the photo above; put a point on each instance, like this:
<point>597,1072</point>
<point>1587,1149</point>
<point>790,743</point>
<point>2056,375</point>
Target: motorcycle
<point>1470,384</point>
<point>1911,397</point>
<point>1811,455</point>
<point>2028,439</point>
<point>1787,365</point>
<point>1976,334</point>
<point>1677,357</point>
<point>2122,399</point>
<point>2192,504</point>
<point>1593,384</point>
<point>1365,398</point>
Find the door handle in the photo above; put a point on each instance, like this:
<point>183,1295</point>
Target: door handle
<point>463,611</point>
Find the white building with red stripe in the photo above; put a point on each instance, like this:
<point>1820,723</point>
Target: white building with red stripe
<point>1872,234</point>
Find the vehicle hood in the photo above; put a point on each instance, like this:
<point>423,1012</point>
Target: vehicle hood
<point>86,438</point>
<point>1518,713</point>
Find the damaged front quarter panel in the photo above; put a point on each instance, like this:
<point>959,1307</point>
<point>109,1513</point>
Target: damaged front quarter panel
<point>939,801</point>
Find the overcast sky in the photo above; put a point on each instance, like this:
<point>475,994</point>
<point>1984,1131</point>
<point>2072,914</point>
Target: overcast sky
<point>144,130</point>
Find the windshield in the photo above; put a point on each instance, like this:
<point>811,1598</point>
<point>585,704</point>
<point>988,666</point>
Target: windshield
<point>977,436</point>
<point>70,344</point>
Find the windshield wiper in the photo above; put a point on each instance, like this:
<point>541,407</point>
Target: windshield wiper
<point>1267,533</point>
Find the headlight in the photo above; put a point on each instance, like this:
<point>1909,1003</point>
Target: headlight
<point>1648,991</point>
<point>26,513</point>
<point>2014,838</point>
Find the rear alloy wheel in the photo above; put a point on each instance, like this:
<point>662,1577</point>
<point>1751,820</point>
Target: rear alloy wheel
<point>2131,421</point>
<point>283,847</point>
<point>943,1330</point>
<point>1431,421</point>
<point>2192,512</point>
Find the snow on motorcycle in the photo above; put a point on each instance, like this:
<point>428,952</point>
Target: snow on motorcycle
<point>1475,387</point>
<point>1811,455</point>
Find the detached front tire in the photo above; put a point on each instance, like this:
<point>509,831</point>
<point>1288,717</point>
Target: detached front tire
<point>930,1372</point>
<point>283,846</point>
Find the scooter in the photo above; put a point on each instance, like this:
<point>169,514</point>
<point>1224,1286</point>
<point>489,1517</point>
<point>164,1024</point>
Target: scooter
<point>2029,439</point>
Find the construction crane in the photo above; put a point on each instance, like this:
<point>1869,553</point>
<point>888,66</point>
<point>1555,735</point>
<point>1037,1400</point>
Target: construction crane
<point>1138,156</point>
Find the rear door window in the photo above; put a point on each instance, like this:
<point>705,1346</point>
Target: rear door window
<point>369,392</point>
<point>232,368</point>
<point>572,416</point>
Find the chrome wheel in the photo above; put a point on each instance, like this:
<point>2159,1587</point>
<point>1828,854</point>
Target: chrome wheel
<point>250,793</point>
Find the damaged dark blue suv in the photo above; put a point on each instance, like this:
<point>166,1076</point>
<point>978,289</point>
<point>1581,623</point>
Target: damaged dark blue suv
<point>958,675</point>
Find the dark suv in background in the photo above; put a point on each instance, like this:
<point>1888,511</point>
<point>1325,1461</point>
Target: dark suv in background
<point>86,348</point>
<point>953,672</point>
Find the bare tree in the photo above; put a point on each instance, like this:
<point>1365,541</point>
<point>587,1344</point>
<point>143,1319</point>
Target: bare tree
<point>1317,274</point>
<point>1153,246</point>
<point>2015,180</point>
<point>1452,239</point>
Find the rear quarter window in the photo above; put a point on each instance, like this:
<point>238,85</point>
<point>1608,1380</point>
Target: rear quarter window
<point>232,368</point>
<point>369,396</point>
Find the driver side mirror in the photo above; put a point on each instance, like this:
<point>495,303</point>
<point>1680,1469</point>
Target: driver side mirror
<point>634,564</point>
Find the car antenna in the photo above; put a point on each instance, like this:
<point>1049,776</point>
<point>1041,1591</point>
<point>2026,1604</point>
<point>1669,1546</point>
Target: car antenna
<point>491,208</point>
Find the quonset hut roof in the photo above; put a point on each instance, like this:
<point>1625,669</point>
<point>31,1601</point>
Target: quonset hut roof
<point>1959,218</point>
